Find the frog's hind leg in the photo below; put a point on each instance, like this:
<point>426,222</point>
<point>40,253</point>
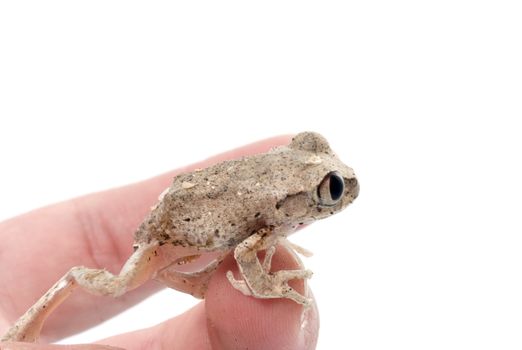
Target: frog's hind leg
<point>194,283</point>
<point>257,278</point>
<point>137,270</point>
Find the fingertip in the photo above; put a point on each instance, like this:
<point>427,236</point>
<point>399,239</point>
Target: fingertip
<point>238,321</point>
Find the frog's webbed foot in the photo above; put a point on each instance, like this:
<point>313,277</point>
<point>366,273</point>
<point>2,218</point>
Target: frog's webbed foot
<point>242,285</point>
<point>258,281</point>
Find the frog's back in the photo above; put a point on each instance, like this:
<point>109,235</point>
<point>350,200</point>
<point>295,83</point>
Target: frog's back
<point>217,207</point>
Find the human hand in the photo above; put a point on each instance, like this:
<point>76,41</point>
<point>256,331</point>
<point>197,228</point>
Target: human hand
<point>96,231</point>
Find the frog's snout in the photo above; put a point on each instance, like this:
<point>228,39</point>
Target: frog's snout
<point>352,187</point>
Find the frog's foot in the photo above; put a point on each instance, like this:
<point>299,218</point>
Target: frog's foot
<point>278,285</point>
<point>273,285</point>
<point>258,281</point>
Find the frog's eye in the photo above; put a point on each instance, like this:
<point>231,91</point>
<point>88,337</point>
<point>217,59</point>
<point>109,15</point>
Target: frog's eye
<point>331,189</point>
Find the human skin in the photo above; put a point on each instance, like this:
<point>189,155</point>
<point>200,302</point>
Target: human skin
<point>96,231</point>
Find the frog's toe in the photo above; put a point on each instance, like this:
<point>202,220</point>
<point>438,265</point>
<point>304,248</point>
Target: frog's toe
<point>290,293</point>
<point>284,276</point>
<point>238,284</point>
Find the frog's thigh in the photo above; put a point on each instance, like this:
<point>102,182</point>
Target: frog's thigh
<point>258,281</point>
<point>138,269</point>
<point>194,283</point>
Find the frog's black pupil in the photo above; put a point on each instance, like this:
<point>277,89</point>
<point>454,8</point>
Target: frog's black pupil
<point>336,187</point>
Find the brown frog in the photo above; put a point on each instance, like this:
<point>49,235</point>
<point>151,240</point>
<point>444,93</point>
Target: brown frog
<point>245,206</point>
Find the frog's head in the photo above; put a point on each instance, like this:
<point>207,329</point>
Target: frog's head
<point>329,185</point>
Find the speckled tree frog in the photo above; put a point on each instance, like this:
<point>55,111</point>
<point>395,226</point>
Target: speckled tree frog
<point>242,206</point>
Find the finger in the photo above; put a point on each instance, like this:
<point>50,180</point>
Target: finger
<point>253,323</point>
<point>227,319</point>
<point>29,346</point>
<point>94,230</point>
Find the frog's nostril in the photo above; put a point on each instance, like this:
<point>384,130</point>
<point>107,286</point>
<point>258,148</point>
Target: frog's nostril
<point>353,187</point>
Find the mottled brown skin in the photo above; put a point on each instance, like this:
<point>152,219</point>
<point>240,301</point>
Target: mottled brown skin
<point>231,200</point>
<point>245,205</point>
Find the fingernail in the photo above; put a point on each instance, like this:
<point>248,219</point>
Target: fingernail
<point>309,324</point>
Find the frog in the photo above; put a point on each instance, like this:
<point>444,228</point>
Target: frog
<point>242,207</point>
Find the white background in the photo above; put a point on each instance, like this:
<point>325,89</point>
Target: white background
<point>421,98</point>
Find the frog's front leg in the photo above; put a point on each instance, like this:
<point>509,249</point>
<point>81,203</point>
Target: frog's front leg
<point>138,269</point>
<point>257,278</point>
